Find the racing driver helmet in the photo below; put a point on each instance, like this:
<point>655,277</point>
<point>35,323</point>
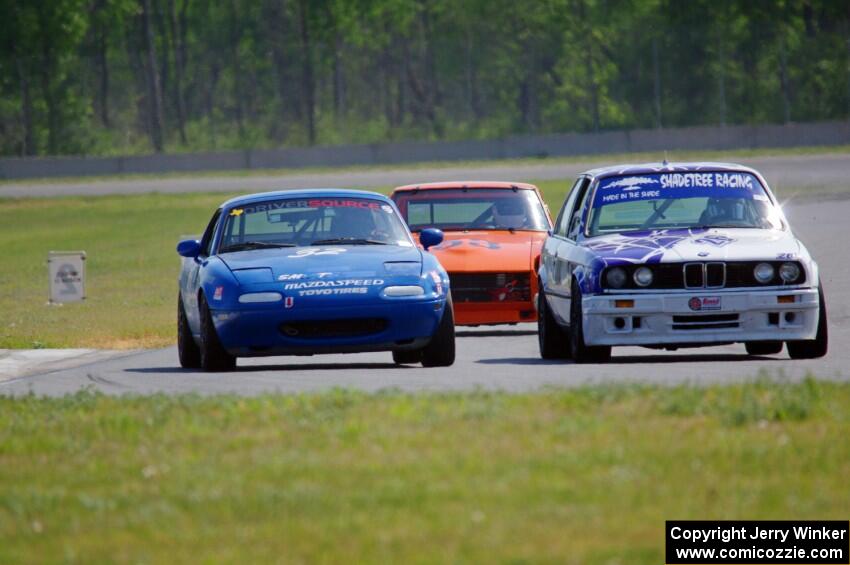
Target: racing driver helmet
<point>509,213</point>
<point>723,210</point>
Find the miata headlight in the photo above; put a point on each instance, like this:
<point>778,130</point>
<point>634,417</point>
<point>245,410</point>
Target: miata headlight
<point>763,273</point>
<point>406,290</point>
<point>616,277</point>
<point>258,297</point>
<point>643,276</point>
<point>789,272</point>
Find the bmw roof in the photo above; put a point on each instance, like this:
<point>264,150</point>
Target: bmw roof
<point>303,193</point>
<point>649,168</point>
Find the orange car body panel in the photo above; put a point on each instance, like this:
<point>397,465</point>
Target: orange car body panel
<point>489,252</point>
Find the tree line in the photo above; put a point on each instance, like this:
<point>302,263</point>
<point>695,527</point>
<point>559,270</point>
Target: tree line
<point>134,76</point>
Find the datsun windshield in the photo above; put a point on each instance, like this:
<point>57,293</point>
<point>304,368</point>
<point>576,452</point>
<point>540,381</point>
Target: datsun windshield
<point>681,200</point>
<point>295,222</point>
<point>473,209</point>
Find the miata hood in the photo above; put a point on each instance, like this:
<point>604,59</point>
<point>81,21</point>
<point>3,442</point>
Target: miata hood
<point>695,245</point>
<point>489,250</point>
<point>333,260</point>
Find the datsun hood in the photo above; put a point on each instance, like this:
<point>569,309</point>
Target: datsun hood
<point>489,250</point>
<point>695,245</point>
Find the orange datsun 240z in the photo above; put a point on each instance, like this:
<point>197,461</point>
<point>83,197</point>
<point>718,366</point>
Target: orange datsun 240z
<point>494,232</point>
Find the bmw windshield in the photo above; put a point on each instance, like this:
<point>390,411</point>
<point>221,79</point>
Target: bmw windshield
<point>473,209</point>
<point>681,200</point>
<point>296,222</point>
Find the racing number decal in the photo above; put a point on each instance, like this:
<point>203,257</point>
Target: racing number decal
<point>318,251</point>
<point>480,243</point>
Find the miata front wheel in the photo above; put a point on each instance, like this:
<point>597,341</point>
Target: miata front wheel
<point>407,357</point>
<point>213,355</point>
<point>187,350</point>
<point>440,352</point>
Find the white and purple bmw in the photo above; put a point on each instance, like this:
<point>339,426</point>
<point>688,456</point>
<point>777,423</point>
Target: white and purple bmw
<point>676,255</point>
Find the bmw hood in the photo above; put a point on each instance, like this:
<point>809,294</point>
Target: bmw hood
<point>694,245</point>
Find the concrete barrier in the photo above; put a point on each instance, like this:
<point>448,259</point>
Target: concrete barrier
<point>558,145</point>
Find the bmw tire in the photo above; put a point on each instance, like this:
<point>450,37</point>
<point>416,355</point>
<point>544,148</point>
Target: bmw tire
<point>551,338</point>
<point>813,348</point>
<point>764,347</point>
<point>580,352</point>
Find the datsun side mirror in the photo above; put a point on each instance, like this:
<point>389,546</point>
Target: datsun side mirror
<point>190,248</point>
<point>430,237</point>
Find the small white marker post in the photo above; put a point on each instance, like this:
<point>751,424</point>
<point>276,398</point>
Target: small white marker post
<point>67,274</point>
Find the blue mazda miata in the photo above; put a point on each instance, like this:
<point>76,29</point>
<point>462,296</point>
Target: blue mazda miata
<point>312,271</point>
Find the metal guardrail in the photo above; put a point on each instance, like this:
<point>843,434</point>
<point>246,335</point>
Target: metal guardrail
<point>558,145</point>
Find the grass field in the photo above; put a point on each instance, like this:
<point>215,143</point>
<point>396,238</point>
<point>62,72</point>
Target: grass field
<point>578,476</point>
<point>131,268</point>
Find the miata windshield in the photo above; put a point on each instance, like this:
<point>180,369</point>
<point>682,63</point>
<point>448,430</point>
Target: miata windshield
<point>295,222</point>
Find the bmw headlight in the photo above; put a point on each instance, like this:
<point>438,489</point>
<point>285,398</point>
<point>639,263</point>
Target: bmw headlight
<point>643,276</point>
<point>763,273</point>
<point>616,277</point>
<point>789,272</point>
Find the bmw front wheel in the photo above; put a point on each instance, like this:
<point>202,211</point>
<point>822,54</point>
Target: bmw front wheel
<point>813,348</point>
<point>551,338</point>
<point>581,352</point>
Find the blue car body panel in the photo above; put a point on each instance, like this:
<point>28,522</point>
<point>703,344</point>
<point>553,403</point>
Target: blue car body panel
<point>324,284</point>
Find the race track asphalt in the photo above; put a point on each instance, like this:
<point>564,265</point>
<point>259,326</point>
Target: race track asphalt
<point>496,358</point>
<point>815,173</point>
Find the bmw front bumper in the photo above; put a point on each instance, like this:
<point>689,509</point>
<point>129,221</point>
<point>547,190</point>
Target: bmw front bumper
<point>703,317</point>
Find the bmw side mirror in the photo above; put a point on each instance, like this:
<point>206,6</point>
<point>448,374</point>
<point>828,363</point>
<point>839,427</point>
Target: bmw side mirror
<point>430,237</point>
<point>190,248</point>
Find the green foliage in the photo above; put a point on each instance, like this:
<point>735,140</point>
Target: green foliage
<point>77,77</point>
